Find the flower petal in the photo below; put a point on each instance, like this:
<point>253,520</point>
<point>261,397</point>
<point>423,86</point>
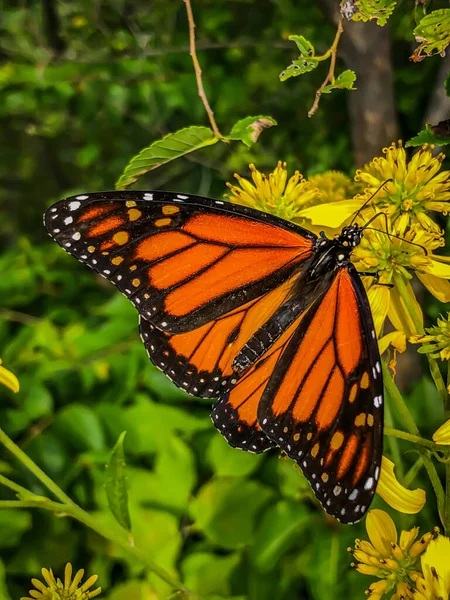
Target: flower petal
<point>436,566</point>
<point>398,312</point>
<point>438,268</point>
<point>332,214</point>
<point>442,435</point>
<point>9,379</point>
<point>395,494</point>
<point>440,288</point>
<point>381,530</point>
<point>396,339</point>
<point>379,300</point>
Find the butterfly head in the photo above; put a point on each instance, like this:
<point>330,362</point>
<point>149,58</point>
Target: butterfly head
<point>350,236</point>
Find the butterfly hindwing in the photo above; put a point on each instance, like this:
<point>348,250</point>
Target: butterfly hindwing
<point>323,402</point>
<point>182,260</point>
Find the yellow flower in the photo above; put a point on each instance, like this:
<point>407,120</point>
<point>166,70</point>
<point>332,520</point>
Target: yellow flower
<point>393,259</point>
<point>274,194</point>
<point>442,434</point>
<point>9,379</point>
<point>437,341</point>
<point>333,186</point>
<point>395,494</point>
<point>416,186</point>
<point>69,590</point>
<point>394,561</point>
<point>434,584</point>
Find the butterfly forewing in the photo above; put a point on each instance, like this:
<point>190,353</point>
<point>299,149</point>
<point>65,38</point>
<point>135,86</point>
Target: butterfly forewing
<point>183,261</point>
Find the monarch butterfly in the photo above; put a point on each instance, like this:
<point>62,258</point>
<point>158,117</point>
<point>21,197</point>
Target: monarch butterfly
<point>241,305</point>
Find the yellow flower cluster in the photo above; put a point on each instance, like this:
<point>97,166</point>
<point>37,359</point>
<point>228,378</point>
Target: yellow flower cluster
<point>406,566</point>
<point>70,589</point>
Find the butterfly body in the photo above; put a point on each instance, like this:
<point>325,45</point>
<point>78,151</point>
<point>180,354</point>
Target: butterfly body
<point>244,306</point>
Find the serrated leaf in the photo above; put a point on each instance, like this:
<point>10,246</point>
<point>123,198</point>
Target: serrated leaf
<point>433,34</point>
<point>172,146</point>
<point>116,485</point>
<point>369,10</point>
<point>305,62</point>
<point>427,136</point>
<point>299,67</point>
<point>344,81</point>
<point>249,129</point>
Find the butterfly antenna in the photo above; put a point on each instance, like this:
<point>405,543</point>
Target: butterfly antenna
<point>397,237</point>
<point>370,199</point>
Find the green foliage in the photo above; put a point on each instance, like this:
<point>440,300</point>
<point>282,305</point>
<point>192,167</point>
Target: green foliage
<point>427,136</point>
<point>433,34</point>
<point>249,129</point>
<point>116,484</point>
<point>163,151</point>
<point>344,81</point>
<point>368,10</point>
<point>306,61</point>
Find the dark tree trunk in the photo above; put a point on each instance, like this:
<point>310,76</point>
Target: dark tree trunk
<point>366,49</point>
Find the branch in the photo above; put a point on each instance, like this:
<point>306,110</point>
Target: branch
<point>330,77</point>
<point>198,70</point>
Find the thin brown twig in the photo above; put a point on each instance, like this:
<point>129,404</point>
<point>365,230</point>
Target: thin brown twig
<point>330,76</point>
<point>198,70</point>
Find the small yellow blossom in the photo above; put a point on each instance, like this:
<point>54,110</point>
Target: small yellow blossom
<point>436,342</point>
<point>393,259</point>
<point>434,582</point>
<point>55,589</point>
<point>442,435</point>
<point>333,186</point>
<point>274,194</point>
<point>394,561</point>
<point>416,186</point>
<point>395,494</point>
<point>9,379</point>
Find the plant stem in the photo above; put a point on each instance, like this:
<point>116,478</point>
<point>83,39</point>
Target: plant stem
<point>415,439</point>
<point>330,76</point>
<point>198,70</point>
<point>398,401</point>
<point>32,466</point>
<point>12,485</point>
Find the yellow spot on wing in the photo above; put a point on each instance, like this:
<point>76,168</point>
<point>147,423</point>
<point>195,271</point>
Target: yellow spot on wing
<point>353,392</point>
<point>365,382</point>
<point>170,210</point>
<point>130,203</point>
<point>121,237</point>
<point>360,420</point>
<point>309,436</point>
<point>134,214</point>
<point>315,450</point>
<point>117,260</point>
<point>296,437</point>
<point>337,440</point>
<point>325,477</point>
<point>136,282</point>
<point>133,268</point>
<point>370,420</point>
<point>91,249</point>
<point>162,222</point>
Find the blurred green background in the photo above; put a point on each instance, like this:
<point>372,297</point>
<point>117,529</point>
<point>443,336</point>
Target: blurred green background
<point>84,85</point>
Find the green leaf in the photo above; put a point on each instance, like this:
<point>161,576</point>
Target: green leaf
<point>172,146</point>
<point>116,484</point>
<point>226,460</point>
<point>79,425</point>
<point>226,510</point>
<point>368,10</point>
<point>305,62</point>
<point>13,524</point>
<point>426,136</point>
<point>207,574</point>
<point>279,530</point>
<point>344,81</point>
<point>433,34</point>
<point>249,129</point>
